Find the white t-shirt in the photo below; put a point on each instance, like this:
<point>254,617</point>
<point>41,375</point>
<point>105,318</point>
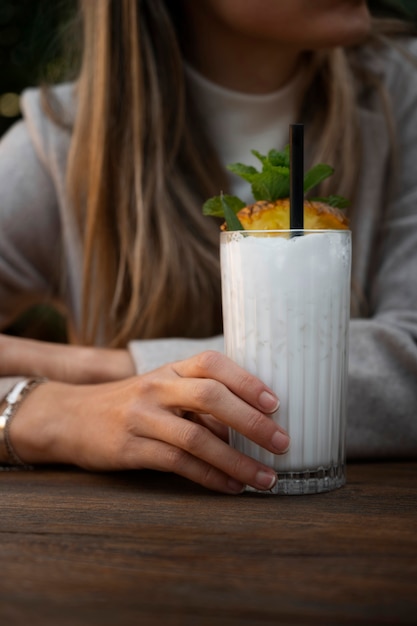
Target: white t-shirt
<point>239,122</point>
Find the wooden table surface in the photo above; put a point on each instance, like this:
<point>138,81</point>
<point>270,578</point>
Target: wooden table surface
<point>146,548</point>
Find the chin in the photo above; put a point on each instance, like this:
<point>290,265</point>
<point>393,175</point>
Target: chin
<point>347,35</point>
<point>355,29</point>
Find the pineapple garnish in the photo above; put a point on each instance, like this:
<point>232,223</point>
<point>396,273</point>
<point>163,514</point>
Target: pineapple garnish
<point>271,190</point>
<point>265,215</point>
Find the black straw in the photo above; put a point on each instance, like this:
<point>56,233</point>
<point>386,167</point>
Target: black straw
<point>296,176</point>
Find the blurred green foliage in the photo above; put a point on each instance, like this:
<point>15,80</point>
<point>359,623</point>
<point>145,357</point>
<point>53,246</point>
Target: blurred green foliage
<point>32,45</point>
<point>396,8</point>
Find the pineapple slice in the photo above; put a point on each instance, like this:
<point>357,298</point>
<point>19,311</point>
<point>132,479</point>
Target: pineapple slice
<point>265,215</point>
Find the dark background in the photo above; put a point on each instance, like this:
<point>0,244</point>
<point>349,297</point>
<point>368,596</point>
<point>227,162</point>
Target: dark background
<point>35,48</point>
<point>32,48</point>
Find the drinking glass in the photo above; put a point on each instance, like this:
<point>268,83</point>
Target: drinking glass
<point>286,311</point>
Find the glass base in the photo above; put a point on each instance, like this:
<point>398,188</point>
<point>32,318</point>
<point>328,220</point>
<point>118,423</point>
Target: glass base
<point>319,480</point>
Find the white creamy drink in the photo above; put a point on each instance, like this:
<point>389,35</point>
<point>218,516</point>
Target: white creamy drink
<point>286,315</point>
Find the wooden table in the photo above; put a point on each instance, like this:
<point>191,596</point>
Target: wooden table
<point>146,548</point>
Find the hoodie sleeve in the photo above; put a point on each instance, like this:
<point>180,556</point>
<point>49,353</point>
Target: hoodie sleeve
<point>29,226</point>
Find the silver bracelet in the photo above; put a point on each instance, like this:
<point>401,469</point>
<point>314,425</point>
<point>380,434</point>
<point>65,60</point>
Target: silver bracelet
<point>9,460</point>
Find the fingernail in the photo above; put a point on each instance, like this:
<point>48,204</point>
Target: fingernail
<point>280,441</point>
<point>234,486</point>
<point>268,401</point>
<point>265,480</point>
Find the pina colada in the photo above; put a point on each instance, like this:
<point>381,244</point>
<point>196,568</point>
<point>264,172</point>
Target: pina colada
<point>286,315</point>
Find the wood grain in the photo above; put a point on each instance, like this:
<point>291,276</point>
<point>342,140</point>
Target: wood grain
<point>149,548</point>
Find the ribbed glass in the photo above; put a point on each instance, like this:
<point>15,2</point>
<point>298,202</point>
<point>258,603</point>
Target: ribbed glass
<point>286,301</point>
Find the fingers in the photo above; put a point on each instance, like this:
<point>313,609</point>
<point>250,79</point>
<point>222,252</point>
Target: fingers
<point>161,456</point>
<point>216,366</point>
<point>212,397</point>
<point>201,444</point>
<point>232,395</point>
<point>210,422</point>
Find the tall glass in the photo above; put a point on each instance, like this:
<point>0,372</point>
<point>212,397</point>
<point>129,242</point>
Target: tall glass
<point>286,298</point>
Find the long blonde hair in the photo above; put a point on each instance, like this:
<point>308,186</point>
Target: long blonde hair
<point>140,167</point>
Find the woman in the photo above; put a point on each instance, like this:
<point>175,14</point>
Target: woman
<point>101,212</point>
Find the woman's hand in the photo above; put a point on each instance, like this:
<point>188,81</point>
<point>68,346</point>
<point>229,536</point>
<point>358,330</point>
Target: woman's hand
<point>172,419</point>
<point>61,362</point>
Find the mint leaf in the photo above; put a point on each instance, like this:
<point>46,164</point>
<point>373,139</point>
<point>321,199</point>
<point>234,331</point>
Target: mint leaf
<point>338,202</point>
<point>272,183</point>
<point>232,220</point>
<point>246,172</point>
<point>275,157</point>
<point>316,175</point>
<point>263,159</point>
<point>214,206</point>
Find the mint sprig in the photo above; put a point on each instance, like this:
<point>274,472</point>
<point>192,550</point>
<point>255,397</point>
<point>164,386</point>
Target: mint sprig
<point>316,175</point>
<point>271,182</point>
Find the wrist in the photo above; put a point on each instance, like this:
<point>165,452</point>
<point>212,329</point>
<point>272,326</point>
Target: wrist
<point>8,409</point>
<point>38,430</point>
<point>100,365</point>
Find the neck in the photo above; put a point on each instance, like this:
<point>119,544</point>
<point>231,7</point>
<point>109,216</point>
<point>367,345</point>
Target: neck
<point>233,60</point>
